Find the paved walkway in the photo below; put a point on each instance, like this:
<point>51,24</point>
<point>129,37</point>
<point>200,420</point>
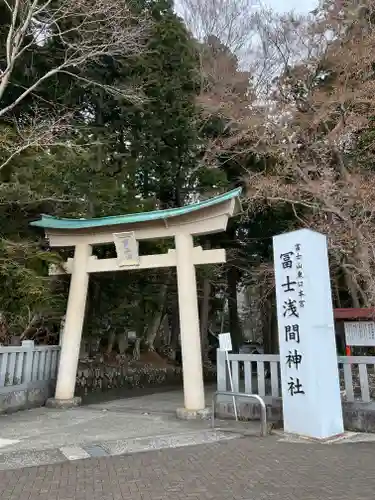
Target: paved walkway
<point>239,469</point>
<point>46,436</point>
<point>136,449</point>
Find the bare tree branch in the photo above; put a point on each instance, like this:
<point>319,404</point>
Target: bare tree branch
<point>231,21</point>
<point>86,31</point>
<point>38,130</point>
<point>307,122</point>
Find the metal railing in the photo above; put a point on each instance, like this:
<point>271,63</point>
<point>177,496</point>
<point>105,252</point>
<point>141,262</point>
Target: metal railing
<point>263,408</point>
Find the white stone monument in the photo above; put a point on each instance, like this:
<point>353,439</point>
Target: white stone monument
<point>308,358</point>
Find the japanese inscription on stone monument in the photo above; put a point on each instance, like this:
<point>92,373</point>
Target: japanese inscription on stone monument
<point>308,360</point>
<point>293,301</point>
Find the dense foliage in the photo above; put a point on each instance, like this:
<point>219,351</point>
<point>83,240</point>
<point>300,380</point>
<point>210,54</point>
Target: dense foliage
<point>162,120</point>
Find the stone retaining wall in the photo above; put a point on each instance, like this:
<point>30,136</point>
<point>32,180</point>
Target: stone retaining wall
<point>23,397</point>
<point>102,378</point>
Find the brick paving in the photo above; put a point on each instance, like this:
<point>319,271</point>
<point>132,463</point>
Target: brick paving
<point>239,469</point>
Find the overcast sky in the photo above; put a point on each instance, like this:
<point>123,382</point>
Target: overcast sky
<point>287,5</point>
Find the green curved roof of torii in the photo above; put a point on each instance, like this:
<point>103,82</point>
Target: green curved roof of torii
<point>51,222</point>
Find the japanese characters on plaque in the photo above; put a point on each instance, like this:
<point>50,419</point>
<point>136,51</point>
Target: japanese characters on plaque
<point>126,249</point>
<point>359,333</point>
<point>294,299</point>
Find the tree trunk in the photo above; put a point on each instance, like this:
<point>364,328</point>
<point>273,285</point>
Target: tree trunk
<point>122,341</point>
<point>267,326</point>
<point>204,311</point>
<point>204,314</point>
<point>336,292</point>
<point>165,331</point>
<point>4,332</point>
<point>30,327</point>
<point>137,349</point>
<point>234,321</point>
<point>154,327</point>
<point>153,330</point>
<point>274,329</point>
<point>351,287</point>
<point>111,341</point>
<point>175,328</point>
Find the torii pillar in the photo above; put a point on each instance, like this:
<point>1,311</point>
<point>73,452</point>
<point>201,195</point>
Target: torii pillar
<point>126,231</point>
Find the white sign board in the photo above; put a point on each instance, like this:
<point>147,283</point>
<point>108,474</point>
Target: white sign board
<point>225,342</point>
<point>360,333</point>
<point>308,358</point>
<point>126,249</point>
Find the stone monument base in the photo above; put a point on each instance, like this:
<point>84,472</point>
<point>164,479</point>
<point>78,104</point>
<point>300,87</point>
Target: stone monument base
<point>186,414</point>
<point>290,436</point>
<point>63,404</point>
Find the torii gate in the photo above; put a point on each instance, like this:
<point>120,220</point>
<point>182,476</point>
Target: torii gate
<point>125,231</point>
